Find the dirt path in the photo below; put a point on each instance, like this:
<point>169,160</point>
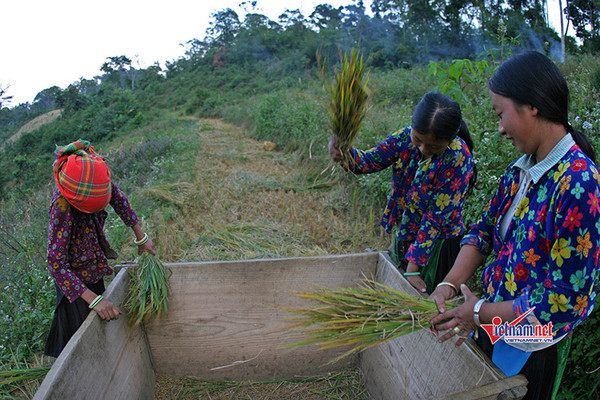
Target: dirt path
<point>246,202</point>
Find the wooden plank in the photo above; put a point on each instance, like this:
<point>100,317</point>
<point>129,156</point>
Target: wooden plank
<point>417,365</point>
<point>225,320</point>
<point>103,360</point>
<point>513,388</point>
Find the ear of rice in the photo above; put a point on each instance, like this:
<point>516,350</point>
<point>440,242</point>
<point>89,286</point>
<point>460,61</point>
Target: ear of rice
<point>347,102</point>
<point>361,317</point>
<point>148,290</point>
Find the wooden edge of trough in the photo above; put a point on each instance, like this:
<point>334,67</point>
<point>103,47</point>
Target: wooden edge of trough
<point>418,366</point>
<point>112,361</point>
<point>103,360</point>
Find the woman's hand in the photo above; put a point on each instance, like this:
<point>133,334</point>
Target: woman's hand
<point>334,151</point>
<point>107,310</point>
<point>459,320</point>
<point>417,283</point>
<point>148,246</point>
<point>415,280</point>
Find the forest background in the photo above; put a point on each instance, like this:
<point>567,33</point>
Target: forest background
<point>263,76</point>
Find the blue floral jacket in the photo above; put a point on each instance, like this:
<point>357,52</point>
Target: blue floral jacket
<point>552,245</point>
<point>427,195</point>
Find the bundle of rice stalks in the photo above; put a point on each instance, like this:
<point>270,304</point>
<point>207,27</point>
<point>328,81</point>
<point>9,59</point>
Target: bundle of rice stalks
<point>347,102</point>
<point>148,290</point>
<point>362,317</point>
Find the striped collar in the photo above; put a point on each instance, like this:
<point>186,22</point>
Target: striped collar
<point>538,170</point>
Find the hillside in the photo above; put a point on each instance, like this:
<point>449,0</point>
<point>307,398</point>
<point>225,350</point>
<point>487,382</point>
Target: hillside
<point>35,124</point>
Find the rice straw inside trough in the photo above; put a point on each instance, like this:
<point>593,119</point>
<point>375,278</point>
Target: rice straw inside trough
<point>361,317</point>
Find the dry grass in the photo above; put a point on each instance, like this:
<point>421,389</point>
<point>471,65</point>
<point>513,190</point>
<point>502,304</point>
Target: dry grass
<point>249,203</point>
<point>341,385</point>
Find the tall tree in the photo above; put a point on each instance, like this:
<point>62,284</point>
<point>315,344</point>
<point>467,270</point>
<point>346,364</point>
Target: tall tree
<point>585,16</point>
<point>223,27</point>
<point>119,69</point>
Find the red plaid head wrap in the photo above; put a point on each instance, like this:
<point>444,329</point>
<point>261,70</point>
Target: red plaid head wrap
<point>82,177</point>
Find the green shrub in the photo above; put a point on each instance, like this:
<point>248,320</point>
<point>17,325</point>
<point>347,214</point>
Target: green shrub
<point>291,118</point>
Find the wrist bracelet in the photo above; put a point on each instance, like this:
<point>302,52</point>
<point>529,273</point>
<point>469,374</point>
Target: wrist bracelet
<point>412,273</point>
<point>96,301</point>
<point>142,240</point>
<point>448,284</point>
<point>476,309</point>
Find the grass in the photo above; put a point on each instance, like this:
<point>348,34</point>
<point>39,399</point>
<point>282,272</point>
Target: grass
<point>20,380</point>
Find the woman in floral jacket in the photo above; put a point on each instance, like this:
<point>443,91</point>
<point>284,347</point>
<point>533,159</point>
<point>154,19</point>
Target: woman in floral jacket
<point>433,170</point>
<point>542,225</point>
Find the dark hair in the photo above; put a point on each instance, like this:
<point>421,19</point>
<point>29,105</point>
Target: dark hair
<point>533,79</point>
<point>440,116</point>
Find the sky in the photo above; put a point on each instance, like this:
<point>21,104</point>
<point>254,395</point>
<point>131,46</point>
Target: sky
<point>57,42</point>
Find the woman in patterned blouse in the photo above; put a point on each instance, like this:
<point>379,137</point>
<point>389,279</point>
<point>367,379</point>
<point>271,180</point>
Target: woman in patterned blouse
<point>433,170</point>
<point>78,251</point>
<point>542,225</point>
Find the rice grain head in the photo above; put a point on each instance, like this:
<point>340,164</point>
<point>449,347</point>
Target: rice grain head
<point>360,317</point>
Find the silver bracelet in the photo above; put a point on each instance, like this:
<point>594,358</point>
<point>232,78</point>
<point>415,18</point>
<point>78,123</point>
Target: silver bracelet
<point>444,283</point>
<point>476,309</point>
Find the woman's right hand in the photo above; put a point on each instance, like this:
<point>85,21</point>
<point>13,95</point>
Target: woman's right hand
<point>440,295</point>
<point>334,151</point>
<point>107,310</point>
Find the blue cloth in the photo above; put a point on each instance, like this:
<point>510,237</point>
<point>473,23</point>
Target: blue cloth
<point>509,359</point>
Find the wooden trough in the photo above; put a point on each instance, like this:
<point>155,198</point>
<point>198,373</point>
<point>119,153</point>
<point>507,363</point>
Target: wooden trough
<point>224,324</point>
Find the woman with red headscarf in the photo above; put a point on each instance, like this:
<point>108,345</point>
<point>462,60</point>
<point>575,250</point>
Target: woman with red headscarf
<point>78,251</point>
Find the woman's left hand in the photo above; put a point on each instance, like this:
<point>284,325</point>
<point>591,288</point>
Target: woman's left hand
<point>417,283</point>
<point>458,320</point>
<point>148,246</point>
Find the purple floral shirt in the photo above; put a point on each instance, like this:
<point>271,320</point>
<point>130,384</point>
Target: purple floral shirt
<point>77,246</point>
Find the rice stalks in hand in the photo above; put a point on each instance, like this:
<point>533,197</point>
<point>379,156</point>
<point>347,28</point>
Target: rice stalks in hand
<point>361,317</point>
<point>347,102</point>
<point>148,290</point>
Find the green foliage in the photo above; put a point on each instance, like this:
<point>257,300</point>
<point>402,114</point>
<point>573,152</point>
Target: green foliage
<point>27,295</point>
<point>461,80</point>
<point>204,103</point>
<point>582,373</point>
<point>292,119</point>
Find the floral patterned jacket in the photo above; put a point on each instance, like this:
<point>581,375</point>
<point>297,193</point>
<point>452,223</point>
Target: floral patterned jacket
<point>427,194</point>
<point>550,253</point>
<point>77,247</point>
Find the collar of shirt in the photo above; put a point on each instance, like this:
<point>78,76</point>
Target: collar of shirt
<point>538,170</point>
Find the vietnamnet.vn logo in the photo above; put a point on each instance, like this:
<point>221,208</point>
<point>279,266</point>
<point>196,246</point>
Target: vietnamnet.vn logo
<point>514,332</point>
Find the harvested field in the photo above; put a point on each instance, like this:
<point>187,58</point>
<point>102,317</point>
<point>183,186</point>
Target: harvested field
<point>244,202</point>
<point>35,123</point>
